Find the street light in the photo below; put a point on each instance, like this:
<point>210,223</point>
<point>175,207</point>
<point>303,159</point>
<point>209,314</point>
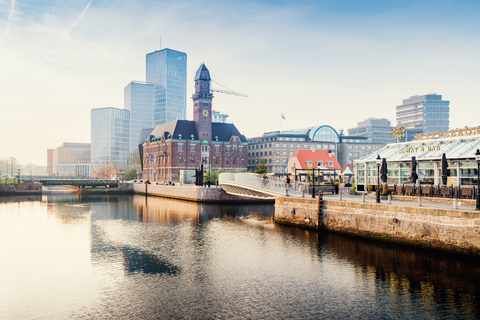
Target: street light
<point>379,160</point>
<point>477,157</point>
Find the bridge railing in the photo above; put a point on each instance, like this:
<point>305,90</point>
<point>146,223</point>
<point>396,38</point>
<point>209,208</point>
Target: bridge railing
<point>274,184</point>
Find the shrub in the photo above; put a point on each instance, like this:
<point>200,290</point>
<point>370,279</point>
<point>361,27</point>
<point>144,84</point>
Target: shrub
<point>354,187</point>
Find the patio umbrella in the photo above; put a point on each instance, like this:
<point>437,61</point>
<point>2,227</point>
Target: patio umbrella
<point>383,170</point>
<point>413,175</point>
<point>444,169</point>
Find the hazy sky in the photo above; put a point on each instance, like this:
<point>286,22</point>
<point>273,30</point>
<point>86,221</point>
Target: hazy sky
<point>318,62</point>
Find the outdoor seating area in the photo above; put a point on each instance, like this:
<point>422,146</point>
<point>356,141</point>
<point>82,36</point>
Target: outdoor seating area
<point>461,192</point>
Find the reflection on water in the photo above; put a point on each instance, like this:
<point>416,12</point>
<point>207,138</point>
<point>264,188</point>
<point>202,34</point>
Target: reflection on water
<point>90,257</point>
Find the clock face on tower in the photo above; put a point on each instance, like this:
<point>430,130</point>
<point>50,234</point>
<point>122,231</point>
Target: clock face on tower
<point>205,113</point>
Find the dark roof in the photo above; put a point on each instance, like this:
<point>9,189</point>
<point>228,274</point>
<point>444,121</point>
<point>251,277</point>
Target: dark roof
<point>202,73</point>
<point>144,134</point>
<point>184,127</point>
<point>224,131</point>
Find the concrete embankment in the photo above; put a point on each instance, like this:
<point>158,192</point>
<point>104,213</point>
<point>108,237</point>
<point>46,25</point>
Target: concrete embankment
<point>122,188</point>
<point>192,193</point>
<point>17,189</point>
<point>445,229</point>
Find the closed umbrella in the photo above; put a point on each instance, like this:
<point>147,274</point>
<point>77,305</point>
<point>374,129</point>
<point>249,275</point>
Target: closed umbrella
<point>413,175</point>
<point>444,169</point>
<point>383,170</point>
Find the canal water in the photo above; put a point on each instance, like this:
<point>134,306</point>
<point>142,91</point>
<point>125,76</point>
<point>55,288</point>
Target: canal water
<point>132,257</point>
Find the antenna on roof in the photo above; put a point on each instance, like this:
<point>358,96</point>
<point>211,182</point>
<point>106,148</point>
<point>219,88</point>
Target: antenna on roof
<point>160,43</point>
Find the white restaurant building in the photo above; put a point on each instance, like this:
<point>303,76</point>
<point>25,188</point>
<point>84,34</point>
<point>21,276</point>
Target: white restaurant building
<point>459,146</point>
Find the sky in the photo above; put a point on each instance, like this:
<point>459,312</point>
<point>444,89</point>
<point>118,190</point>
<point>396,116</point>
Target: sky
<point>323,62</point>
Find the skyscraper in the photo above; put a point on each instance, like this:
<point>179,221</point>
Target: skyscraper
<point>139,100</point>
<point>427,113</point>
<point>109,135</point>
<point>166,69</point>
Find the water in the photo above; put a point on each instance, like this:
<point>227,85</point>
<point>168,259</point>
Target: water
<point>128,257</point>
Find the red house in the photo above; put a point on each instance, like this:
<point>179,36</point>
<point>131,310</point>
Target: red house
<point>323,160</point>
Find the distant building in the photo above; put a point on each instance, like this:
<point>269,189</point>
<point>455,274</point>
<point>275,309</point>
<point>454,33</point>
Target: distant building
<point>376,130</point>
<point>139,100</point>
<point>69,154</point>
<point>167,70</point>
<point>219,117</point>
<point>278,146</point>
<point>420,114</point>
<point>110,135</point>
<point>49,161</point>
<point>187,145</point>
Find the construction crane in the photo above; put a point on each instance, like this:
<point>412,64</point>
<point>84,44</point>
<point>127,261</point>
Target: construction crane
<point>228,91</point>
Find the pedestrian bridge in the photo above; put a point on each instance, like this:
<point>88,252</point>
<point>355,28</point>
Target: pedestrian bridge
<point>81,183</point>
<point>254,185</point>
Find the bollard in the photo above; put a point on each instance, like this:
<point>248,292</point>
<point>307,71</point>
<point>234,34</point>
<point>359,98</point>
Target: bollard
<point>340,196</point>
<point>419,201</point>
<point>363,197</point>
<point>286,190</point>
<point>389,199</point>
<point>455,203</point>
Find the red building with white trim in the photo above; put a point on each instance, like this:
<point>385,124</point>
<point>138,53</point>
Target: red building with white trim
<point>186,145</point>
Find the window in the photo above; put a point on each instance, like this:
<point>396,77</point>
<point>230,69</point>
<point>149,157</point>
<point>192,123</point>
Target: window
<point>284,160</point>
<point>180,159</point>
<point>305,146</point>
<point>261,154</point>
<point>291,145</point>
<point>234,139</point>
<point>330,163</point>
<point>269,153</point>
<point>192,158</point>
<point>277,153</point>
<point>309,163</point>
<point>180,147</point>
<point>277,145</point>
<point>269,160</point>
<point>193,147</point>
<point>240,149</point>
<point>284,145</point>
<point>229,149</point>
<point>228,160</point>
<point>319,163</point>
<point>217,148</point>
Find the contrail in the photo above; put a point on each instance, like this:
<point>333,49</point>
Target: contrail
<point>10,16</point>
<point>66,34</point>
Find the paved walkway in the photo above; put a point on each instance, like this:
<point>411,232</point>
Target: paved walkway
<point>358,198</point>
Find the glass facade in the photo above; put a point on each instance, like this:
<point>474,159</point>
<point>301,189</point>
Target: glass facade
<point>167,70</point>
<point>420,114</point>
<point>139,100</point>
<point>376,130</point>
<point>110,135</point>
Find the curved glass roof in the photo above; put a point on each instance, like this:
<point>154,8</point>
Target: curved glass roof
<point>324,134</point>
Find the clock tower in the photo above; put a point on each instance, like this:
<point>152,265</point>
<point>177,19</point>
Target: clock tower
<point>202,104</point>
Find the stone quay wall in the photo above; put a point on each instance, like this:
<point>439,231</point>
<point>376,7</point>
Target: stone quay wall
<point>9,189</point>
<point>445,229</point>
<point>192,193</point>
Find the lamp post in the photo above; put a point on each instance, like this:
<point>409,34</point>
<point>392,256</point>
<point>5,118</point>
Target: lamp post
<point>379,160</point>
<point>477,157</point>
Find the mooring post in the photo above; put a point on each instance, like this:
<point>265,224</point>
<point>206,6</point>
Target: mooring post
<point>363,197</point>
<point>455,203</point>
<point>419,200</point>
<point>389,199</point>
<point>340,196</point>
<point>319,210</point>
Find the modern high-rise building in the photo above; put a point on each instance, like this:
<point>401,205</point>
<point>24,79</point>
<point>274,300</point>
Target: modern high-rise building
<point>139,100</point>
<point>426,113</point>
<point>167,70</point>
<point>110,135</point>
<point>219,117</point>
<point>376,130</point>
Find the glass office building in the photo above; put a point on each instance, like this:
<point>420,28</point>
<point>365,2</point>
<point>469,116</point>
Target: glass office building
<point>139,100</point>
<point>419,114</point>
<point>167,70</point>
<point>109,135</point>
<point>376,130</point>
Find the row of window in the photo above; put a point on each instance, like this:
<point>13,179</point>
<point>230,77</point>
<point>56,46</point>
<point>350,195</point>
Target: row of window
<point>291,145</point>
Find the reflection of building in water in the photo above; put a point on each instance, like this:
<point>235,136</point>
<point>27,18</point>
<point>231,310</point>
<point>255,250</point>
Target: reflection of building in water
<point>428,274</point>
<point>153,209</point>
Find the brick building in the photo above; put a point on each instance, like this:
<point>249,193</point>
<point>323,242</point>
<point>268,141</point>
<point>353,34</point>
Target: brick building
<point>186,145</point>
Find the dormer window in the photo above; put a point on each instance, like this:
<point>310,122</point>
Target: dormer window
<point>319,163</point>
<point>309,163</point>
<point>330,163</point>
